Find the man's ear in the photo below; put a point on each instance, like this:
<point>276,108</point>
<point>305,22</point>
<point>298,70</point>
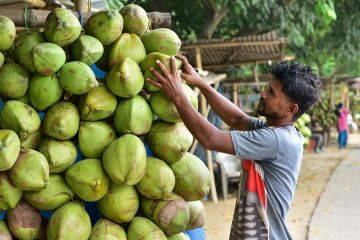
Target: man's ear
<point>292,109</point>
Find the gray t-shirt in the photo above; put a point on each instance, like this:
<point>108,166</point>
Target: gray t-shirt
<point>279,151</point>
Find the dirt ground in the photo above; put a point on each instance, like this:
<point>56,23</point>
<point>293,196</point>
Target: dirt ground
<point>316,170</point>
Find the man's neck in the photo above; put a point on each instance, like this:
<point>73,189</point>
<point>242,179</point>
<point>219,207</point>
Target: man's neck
<point>278,121</point>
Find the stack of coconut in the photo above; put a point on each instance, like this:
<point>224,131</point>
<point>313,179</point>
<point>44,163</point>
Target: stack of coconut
<point>55,109</point>
<point>302,123</point>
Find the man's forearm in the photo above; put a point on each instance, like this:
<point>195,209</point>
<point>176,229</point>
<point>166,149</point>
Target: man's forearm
<point>225,109</point>
<point>206,133</point>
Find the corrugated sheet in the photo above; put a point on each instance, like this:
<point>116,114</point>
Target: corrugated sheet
<point>221,53</point>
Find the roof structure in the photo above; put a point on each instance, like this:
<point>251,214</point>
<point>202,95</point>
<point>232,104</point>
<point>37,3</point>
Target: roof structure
<point>217,54</point>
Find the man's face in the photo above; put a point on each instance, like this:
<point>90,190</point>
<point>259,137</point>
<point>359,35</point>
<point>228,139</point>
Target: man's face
<point>273,101</point>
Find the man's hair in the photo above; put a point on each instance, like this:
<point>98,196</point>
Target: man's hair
<point>300,83</point>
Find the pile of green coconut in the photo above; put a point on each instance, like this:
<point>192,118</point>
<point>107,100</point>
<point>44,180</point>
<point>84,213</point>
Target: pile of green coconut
<point>54,109</point>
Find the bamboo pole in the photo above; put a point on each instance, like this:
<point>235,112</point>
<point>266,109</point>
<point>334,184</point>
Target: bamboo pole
<point>36,18</point>
<point>235,95</point>
<point>81,5</point>
<point>203,105</point>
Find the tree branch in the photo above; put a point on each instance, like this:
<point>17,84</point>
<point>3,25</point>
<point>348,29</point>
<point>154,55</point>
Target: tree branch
<point>211,24</point>
<point>213,5</point>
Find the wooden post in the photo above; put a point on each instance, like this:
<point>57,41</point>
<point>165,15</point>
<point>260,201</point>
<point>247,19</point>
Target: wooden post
<point>198,58</point>
<point>235,95</point>
<point>256,77</point>
<point>209,156</point>
<point>81,5</point>
<point>208,152</point>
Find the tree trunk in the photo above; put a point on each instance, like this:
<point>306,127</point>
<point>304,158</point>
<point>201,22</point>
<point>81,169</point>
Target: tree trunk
<point>212,23</point>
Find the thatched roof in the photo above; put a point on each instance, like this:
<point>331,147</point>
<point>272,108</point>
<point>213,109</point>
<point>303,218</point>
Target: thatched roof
<point>217,54</point>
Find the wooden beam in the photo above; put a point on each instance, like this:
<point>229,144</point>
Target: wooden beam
<point>36,18</point>
<point>233,44</point>
<point>159,20</point>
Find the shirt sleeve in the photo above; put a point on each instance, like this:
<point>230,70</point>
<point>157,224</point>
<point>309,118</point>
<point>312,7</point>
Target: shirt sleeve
<point>256,123</point>
<point>256,144</point>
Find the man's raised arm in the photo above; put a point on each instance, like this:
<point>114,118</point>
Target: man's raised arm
<point>232,115</point>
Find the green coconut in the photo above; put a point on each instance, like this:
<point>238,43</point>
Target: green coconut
<point>61,121</point>
<point>94,137</point>
<point>88,179</point>
<point>14,80</point>
<point>179,236</point>
<point>127,46</point>
<point>305,131</point>
<point>133,115</point>
<point>62,27</point>
<point>158,181</point>
<point>150,62</point>
<point>135,18</point>
<point>87,49</point>
<point>125,79</point>
<point>192,178</point>
<point>23,48</point>
<point>107,230</point>
<point>162,40</point>
<point>2,59</point>
<point>7,33</point>
<point>31,140</point>
<point>77,78</point>
<point>4,231</point>
<point>30,171</point>
<point>99,103</point>
<point>44,91</point>
<point>24,221</point>
<point>171,213</point>
<point>197,215</point>
<point>19,117</point>
<point>106,26</point>
<point>166,109</point>
<point>143,229</point>
<point>127,203</point>
<point>70,221</point>
<point>10,195</point>
<point>124,160</point>
<point>59,154</point>
<point>169,141</point>
<point>48,58</point>
<point>53,196</point>
<point>9,149</point>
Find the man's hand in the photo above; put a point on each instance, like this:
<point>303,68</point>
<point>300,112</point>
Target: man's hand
<point>189,74</point>
<point>168,81</point>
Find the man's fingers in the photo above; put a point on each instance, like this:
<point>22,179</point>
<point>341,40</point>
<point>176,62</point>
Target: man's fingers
<point>158,75</point>
<point>182,58</point>
<point>162,68</point>
<point>155,83</point>
<point>185,76</point>
<point>173,65</point>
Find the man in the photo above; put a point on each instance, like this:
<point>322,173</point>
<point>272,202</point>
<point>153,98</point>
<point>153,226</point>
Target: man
<point>271,150</point>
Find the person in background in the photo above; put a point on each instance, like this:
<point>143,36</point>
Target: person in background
<point>341,125</point>
<point>316,134</point>
<point>271,150</point>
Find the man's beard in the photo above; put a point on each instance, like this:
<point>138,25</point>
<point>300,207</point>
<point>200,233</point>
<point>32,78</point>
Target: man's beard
<point>261,111</point>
